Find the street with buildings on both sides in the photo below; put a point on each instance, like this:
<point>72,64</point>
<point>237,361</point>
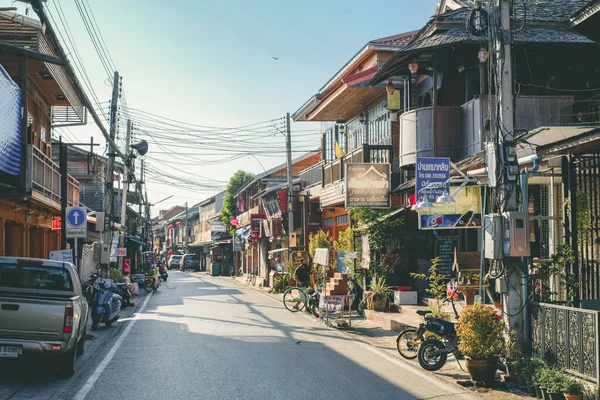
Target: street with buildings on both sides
<point>202,337</point>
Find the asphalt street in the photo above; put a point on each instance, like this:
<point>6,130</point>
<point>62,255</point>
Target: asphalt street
<point>211,338</point>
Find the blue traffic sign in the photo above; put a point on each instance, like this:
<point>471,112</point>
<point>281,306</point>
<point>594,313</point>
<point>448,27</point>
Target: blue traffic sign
<point>432,174</point>
<point>76,217</point>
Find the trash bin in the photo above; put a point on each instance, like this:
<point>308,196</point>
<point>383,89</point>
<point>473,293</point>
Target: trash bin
<point>215,269</point>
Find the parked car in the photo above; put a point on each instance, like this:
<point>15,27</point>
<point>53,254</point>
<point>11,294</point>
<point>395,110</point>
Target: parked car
<point>43,311</point>
<point>174,261</point>
<point>190,261</point>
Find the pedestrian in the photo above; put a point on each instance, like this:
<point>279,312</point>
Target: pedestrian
<point>302,276</point>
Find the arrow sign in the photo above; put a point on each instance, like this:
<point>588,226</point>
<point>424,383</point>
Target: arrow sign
<point>76,223</point>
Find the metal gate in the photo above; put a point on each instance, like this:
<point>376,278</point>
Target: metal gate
<point>587,209</point>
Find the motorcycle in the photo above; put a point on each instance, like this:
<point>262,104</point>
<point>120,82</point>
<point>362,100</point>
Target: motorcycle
<point>124,290</point>
<point>106,305</point>
<point>434,351</point>
<point>163,272</point>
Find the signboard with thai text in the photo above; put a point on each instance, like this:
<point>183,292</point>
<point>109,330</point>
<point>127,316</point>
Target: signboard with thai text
<point>431,175</point>
<point>368,185</point>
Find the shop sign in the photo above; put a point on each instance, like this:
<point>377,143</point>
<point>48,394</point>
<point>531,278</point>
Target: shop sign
<point>368,185</point>
<point>266,226</point>
<point>431,175</point>
<point>121,252</point>
<point>255,223</point>
<point>217,230</point>
<point>464,212</point>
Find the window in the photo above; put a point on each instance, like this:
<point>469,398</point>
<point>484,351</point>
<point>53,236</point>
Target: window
<point>380,125</point>
<point>34,276</point>
<point>356,134</point>
<point>328,149</point>
<point>341,219</point>
<point>328,222</point>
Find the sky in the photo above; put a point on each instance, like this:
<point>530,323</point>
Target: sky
<point>211,64</point>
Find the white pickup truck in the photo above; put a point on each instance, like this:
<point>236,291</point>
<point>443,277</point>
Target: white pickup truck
<point>43,311</point>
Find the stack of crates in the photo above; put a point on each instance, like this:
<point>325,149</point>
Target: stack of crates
<point>338,285</point>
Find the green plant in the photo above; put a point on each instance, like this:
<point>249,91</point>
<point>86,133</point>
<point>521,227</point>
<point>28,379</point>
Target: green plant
<point>345,244</point>
<point>437,287</point>
<point>558,381</point>
<point>280,282</point>
<point>291,269</point>
<point>317,240</point>
<point>511,351</point>
<point>375,225</point>
<point>480,329</point>
<point>550,378</point>
<point>573,386</point>
<point>378,290</point>
<point>115,275</point>
<point>236,182</point>
<point>470,277</point>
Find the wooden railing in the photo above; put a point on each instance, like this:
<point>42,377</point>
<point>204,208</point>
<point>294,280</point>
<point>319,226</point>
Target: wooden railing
<point>44,177</point>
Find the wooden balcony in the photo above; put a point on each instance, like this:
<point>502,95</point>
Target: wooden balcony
<point>457,132</point>
<point>311,176</point>
<point>43,180</point>
<point>428,132</point>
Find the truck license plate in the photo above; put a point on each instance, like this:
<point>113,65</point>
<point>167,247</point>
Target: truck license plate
<point>9,351</point>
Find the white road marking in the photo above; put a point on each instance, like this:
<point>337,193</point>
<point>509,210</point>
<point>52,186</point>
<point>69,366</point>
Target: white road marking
<point>94,377</point>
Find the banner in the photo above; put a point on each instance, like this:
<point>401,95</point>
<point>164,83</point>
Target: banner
<point>464,212</point>
<point>10,128</point>
<point>368,185</point>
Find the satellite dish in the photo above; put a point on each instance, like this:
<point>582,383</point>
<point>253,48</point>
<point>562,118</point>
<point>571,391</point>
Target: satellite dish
<point>141,147</point>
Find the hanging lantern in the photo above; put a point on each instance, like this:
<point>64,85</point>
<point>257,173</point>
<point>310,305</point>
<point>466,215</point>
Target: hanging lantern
<point>178,224</point>
<point>482,55</point>
<point>390,88</point>
<point>413,67</point>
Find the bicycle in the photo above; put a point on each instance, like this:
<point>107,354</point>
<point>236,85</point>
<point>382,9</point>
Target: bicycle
<point>251,278</point>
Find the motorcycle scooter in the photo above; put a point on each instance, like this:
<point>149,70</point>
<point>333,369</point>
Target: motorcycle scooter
<point>106,305</point>
<point>163,272</point>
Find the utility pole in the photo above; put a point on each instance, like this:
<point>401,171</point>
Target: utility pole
<point>63,192</point>
<point>185,233</point>
<point>290,202</point>
<point>506,151</point>
<point>108,186</point>
<point>124,192</point>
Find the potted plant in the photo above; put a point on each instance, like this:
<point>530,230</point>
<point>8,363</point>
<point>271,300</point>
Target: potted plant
<point>470,278</point>
<point>556,385</point>
<point>480,333</point>
<point>573,389</point>
<point>378,294</point>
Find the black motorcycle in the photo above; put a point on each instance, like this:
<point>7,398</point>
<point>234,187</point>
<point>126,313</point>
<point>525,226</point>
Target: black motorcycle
<point>433,352</point>
<point>123,290</point>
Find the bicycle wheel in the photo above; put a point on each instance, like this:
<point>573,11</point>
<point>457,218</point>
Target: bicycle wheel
<point>408,343</point>
<point>292,296</point>
<point>148,286</point>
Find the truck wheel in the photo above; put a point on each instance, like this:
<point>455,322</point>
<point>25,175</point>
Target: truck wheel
<point>66,366</point>
<point>81,344</point>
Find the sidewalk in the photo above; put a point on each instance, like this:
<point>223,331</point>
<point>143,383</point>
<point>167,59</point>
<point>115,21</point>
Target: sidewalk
<point>380,331</point>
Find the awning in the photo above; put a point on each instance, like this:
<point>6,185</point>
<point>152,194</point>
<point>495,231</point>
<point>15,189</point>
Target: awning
<point>270,190</point>
<point>564,139</point>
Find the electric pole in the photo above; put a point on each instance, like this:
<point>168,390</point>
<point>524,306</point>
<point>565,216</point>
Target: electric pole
<point>185,233</point>
<point>290,202</point>
<point>124,192</point>
<point>108,186</point>
<point>513,303</point>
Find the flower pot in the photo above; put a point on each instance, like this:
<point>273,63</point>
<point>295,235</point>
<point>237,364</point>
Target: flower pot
<point>556,396</point>
<point>482,370</point>
<point>538,392</point>
<point>522,382</point>
<point>378,304</point>
<point>544,393</point>
<point>573,396</point>
<point>291,282</point>
<point>530,386</point>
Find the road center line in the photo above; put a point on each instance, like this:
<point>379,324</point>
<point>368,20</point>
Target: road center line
<point>94,377</point>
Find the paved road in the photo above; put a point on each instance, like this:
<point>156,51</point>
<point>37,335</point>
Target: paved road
<point>200,337</point>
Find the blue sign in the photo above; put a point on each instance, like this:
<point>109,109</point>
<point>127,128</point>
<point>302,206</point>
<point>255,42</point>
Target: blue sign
<point>432,174</point>
<point>76,217</point>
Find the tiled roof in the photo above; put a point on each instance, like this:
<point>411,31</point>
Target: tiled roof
<point>532,10</point>
<point>399,40</point>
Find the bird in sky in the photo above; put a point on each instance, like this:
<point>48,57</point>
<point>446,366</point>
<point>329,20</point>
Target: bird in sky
<point>275,58</point>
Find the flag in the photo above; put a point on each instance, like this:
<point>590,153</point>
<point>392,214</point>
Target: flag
<point>339,153</point>
<point>240,204</point>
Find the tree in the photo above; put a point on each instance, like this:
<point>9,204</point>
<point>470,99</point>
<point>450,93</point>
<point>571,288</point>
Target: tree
<point>236,182</point>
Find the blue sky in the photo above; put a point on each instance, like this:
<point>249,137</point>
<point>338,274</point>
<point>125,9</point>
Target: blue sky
<point>210,62</point>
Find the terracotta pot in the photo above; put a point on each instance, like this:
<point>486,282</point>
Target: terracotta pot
<point>573,396</point>
<point>482,370</point>
<point>291,282</point>
<point>556,395</point>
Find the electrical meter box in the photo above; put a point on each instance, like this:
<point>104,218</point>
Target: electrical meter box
<point>516,234</point>
<point>492,224</point>
<point>105,254</point>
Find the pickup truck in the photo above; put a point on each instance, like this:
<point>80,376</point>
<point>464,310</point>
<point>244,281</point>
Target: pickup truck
<point>43,311</point>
